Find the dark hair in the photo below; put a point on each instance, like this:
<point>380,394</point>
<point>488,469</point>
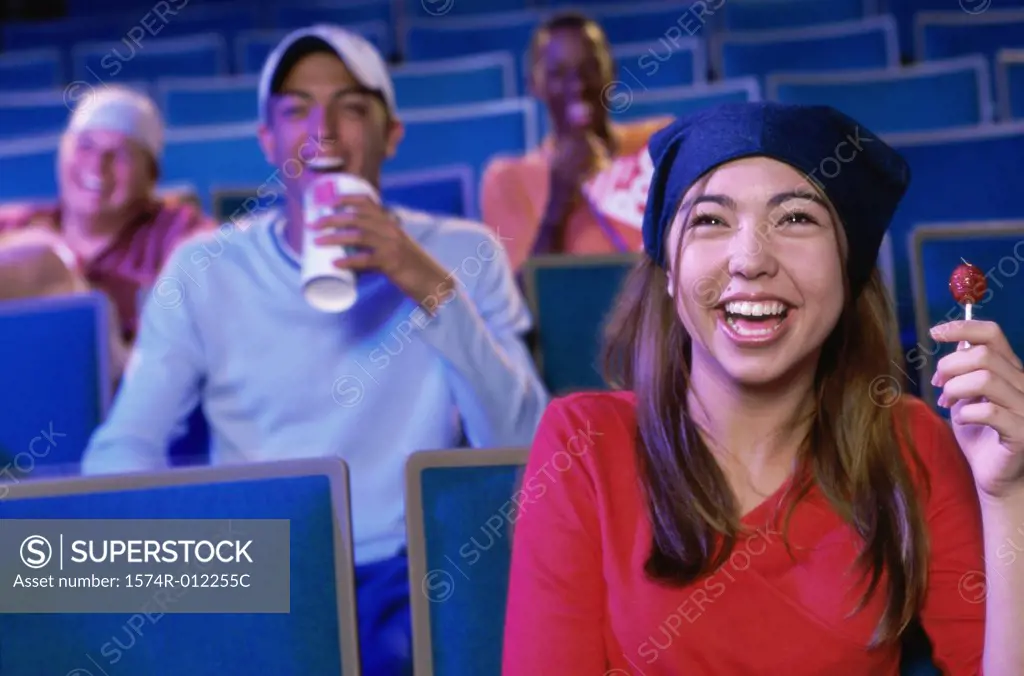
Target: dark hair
<point>852,452</point>
<point>564,21</point>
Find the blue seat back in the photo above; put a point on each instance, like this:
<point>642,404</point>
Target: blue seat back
<point>365,13</point>
<point>571,297</point>
<point>194,56</point>
<point>216,157</point>
<point>64,33</point>
<point>943,35</point>
<point>224,19</point>
<point>754,15</point>
<point>430,39</point>
<point>208,101</point>
<point>31,69</point>
<point>905,11</point>
<point>626,23</point>
<point>437,9</point>
<point>311,639</point>
<point>957,175</point>
<point>56,378</point>
<point>1010,84</point>
<point>35,113</point>
<point>454,82</point>
<point>444,190</point>
<point>997,248</point>
<point>460,511</point>
<point>28,167</point>
<point>647,66</point>
<point>852,45</point>
<point>629,105</point>
<point>931,95</point>
<point>469,135</point>
<point>251,48</point>
<point>682,101</point>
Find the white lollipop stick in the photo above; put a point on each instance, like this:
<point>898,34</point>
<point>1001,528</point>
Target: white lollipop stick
<point>968,315</point>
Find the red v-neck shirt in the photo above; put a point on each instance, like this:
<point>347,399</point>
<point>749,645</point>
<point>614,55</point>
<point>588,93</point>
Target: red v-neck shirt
<point>579,603</point>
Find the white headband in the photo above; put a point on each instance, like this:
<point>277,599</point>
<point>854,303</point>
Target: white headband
<point>122,110</point>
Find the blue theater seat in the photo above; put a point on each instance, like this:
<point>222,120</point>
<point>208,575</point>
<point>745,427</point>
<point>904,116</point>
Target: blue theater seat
<point>35,113</point>
<point>426,9</point>
<point>754,15</point>
<point>64,33</point>
<point>1010,84</point>
<point>926,96</point>
<point>968,174</point>
<point>55,362</point>
<point>460,512</point>
<point>443,190</point>
<point>188,102</point>
<point>904,12</point>
<point>28,167</point>
<point>318,636</point>
<point>646,66</point>
<point>629,105</point>
<point>936,249</point>
<point>30,69</point>
<point>251,48</point>
<point>224,19</point>
<point>469,135</point>
<point>430,39</point>
<point>194,56</point>
<point>453,82</point>
<point>380,15</point>
<point>850,45</point>
<point>217,156</point>
<point>943,35</point>
<point>570,297</point>
<point>626,23</point>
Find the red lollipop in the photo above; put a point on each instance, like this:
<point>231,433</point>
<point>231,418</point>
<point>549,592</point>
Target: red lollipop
<point>968,285</point>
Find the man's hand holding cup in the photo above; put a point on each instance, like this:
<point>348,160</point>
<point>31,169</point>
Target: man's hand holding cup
<point>375,240</point>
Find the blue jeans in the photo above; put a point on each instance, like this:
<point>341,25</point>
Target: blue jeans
<point>385,623</point>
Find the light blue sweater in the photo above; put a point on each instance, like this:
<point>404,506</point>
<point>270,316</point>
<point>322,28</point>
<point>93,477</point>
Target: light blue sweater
<point>226,325</point>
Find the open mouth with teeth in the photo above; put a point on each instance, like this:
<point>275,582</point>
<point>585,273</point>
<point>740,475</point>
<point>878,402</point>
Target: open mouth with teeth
<point>324,163</point>
<point>755,319</point>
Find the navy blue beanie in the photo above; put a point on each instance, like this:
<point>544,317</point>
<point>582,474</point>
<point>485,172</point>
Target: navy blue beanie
<point>863,178</point>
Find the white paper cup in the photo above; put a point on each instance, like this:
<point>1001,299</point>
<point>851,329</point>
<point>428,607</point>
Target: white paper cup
<point>324,286</point>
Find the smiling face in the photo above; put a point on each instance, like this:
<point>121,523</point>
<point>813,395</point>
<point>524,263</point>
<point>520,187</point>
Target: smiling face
<point>322,114</point>
<point>572,71</point>
<point>103,173</point>
<point>758,280</point>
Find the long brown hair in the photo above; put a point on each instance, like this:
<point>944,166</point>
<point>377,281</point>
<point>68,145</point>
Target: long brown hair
<point>853,451</point>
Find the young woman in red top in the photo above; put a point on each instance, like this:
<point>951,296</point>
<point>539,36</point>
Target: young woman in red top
<point>759,498</point>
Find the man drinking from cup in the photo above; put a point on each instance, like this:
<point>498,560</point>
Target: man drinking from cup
<point>428,354</point>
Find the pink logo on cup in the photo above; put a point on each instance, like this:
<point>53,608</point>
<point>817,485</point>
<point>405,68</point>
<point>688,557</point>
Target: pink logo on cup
<point>325,194</point>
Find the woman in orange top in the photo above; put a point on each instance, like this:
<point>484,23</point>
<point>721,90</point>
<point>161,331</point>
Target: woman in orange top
<point>760,498</point>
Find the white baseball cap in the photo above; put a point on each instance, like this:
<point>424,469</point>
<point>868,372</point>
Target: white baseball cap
<point>124,110</point>
<point>360,57</point>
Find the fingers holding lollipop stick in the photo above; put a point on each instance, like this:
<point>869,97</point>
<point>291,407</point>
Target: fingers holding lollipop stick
<point>967,284</point>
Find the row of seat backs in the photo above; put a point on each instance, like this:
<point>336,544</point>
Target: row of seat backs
<point>317,637</point>
<point>440,144</point>
<point>860,43</point>
<point>931,95</point>
<point>460,512</point>
<point>422,32</point>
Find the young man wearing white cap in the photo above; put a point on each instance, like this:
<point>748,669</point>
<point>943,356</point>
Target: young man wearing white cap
<point>430,356</point>
<point>109,230</point>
